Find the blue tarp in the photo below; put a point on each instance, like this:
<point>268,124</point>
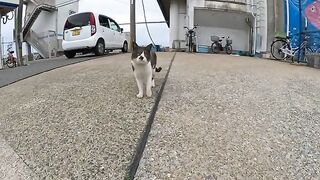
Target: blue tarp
<point>310,21</point>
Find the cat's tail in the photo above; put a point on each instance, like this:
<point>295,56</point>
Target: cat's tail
<point>158,69</point>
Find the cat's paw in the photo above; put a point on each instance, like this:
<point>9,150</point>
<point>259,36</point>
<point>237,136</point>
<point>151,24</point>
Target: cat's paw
<point>153,84</point>
<point>140,95</point>
<point>149,94</point>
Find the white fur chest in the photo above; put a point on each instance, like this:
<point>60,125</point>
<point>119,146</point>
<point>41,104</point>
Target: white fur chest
<point>142,71</point>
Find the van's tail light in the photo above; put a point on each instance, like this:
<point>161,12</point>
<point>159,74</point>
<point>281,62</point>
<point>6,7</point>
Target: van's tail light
<point>65,28</point>
<point>93,24</point>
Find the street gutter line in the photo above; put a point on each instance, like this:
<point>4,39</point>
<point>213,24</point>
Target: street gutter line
<point>132,170</point>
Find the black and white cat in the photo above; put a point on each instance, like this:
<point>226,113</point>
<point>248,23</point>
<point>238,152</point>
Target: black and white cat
<point>144,62</point>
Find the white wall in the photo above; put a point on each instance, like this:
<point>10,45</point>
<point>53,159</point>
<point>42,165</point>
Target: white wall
<point>262,23</point>
<point>240,38</point>
<point>63,13</point>
<point>191,4</point>
<point>220,23</point>
<point>177,20</point>
<point>264,32</point>
<point>45,22</point>
<point>53,21</point>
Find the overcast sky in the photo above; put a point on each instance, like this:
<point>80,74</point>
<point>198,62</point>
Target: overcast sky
<point>119,10</point>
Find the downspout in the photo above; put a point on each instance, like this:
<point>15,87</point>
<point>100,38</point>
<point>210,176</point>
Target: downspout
<point>275,2</point>
<point>1,61</point>
<point>254,29</point>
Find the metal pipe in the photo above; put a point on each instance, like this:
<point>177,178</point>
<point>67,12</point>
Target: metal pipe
<point>1,63</point>
<point>254,31</point>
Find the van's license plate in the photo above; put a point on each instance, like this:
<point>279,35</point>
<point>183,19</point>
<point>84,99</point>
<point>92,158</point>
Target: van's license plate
<point>75,33</point>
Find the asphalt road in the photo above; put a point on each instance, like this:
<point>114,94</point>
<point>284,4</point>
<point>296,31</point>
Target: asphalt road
<point>11,75</point>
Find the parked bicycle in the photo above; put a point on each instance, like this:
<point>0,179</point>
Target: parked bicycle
<point>216,46</point>
<point>11,60</point>
<point>190,37</point>
<point>281,48</point>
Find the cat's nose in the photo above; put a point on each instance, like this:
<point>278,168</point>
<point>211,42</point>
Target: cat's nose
<point>141,58</point>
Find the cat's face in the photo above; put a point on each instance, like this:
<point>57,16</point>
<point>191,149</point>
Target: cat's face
<point>141,55</point>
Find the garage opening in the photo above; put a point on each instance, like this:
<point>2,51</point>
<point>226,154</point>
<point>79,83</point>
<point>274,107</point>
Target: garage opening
<point>239,26</point>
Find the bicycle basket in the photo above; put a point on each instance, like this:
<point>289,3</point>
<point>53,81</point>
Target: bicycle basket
<point>215,38</point>
<point>229,41</point>
<point>280,35</point>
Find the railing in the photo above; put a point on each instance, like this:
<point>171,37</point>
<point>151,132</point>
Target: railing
<point>45,43</point>
<point>232,5</point>
<point>39,2</point>
<point>241,2</point>
<point>37,43</point>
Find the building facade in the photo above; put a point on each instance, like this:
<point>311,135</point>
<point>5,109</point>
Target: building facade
<point>251,24</point>
<point>44,22</point>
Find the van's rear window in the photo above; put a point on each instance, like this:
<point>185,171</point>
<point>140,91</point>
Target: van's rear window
<point>78,20</point>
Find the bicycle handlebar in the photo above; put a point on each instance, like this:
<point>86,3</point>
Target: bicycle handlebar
<point>195,27</point>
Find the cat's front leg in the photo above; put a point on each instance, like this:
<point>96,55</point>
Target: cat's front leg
<point>148,86</point>
<point>140,87</point>
<point>153,74</point>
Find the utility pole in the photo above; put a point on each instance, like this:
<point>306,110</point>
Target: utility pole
<point>132,23</point>
<point>18,32</point>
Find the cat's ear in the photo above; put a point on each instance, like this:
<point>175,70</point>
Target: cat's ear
<point>149,47</point>
<point>135,45</point>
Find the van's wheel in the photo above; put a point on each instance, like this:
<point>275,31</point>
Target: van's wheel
<point>100,48</point>
<point>70,54</point>
<point>125,47</point>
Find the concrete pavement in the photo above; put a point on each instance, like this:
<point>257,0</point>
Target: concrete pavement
<point>81,121</point>
<point>224,117</point>
<point>220,117</point>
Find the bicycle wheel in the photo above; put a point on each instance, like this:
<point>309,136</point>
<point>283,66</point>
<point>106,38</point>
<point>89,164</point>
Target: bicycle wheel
<point>276,49</point>
<point>190,43</point>
<point>228,49</point>
<point>309,50</point>
<point>10,64</point>
<point>214,48</point>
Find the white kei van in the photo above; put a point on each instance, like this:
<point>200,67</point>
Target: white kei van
<point>91,32</point>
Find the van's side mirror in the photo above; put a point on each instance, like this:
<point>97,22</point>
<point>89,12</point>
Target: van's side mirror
<point>121,30</point>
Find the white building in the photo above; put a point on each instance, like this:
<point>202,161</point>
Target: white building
<point>245,21</point>
<point>44,22</point>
